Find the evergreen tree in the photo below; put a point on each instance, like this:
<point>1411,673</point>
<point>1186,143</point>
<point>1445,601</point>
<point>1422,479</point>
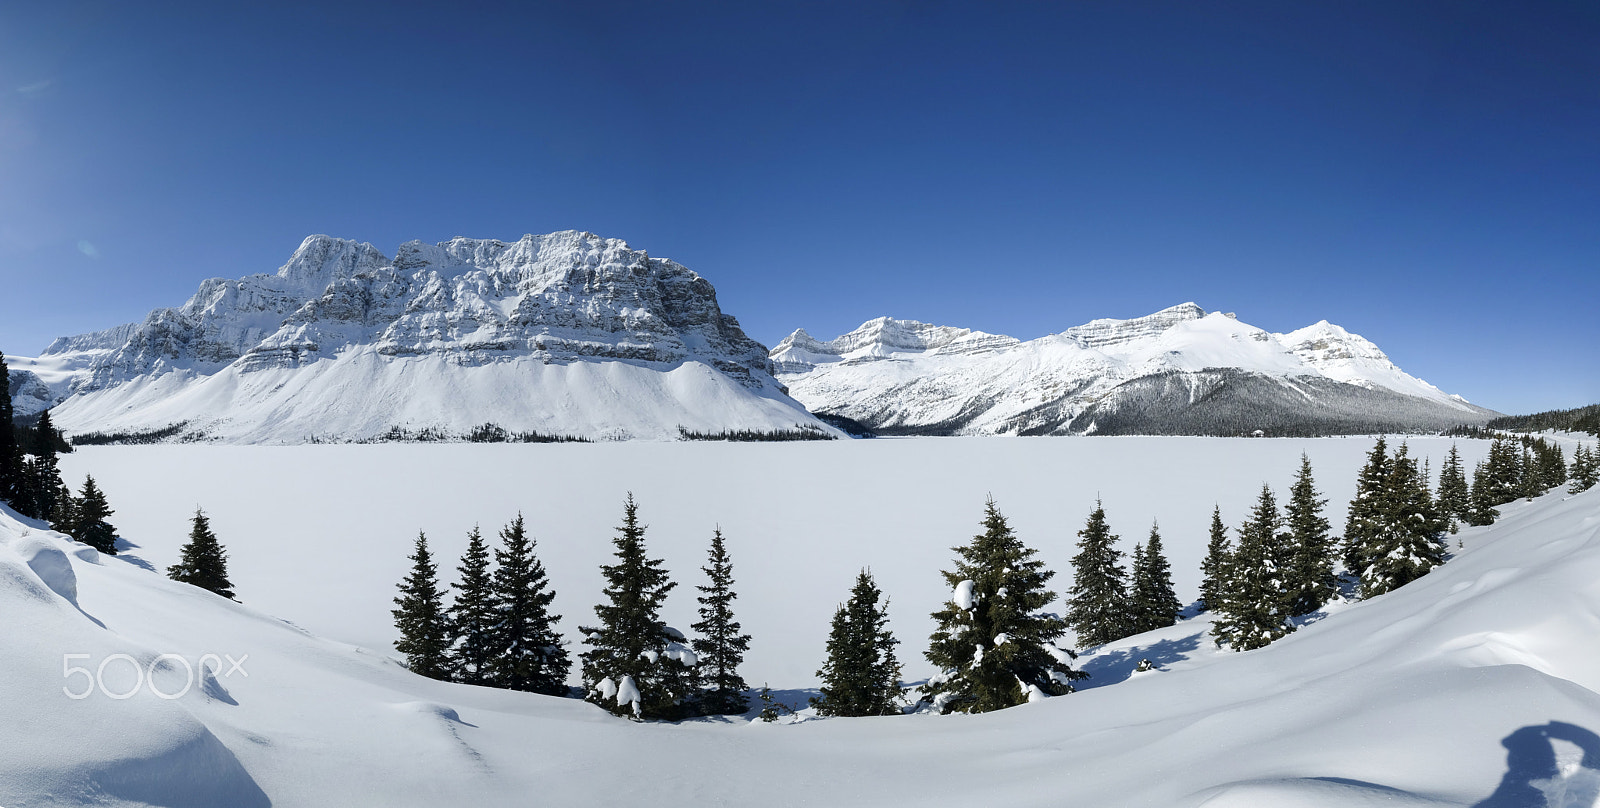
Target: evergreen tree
<point>1530,483</point>
<point>1585,469</point>
<point>994,646</point>
<point>202,561</point>
<point>90,525</point>
<point>1214,568</point>
<point>1256,610</point>
<point>1097,606</point>
<point>861,675</point>
<point>42,475</point>
<point>528,653</point>
<point>1501,481</point>
<point>473,616</point>
<point>1482,511</point>
<point>1552,464</point>
<point>719,645</point>
<point>424,628</point>
<point>1366,513</point>
<point>12,480</point>
<point>634,665</point>
<point>1411,540</point>
<point>1312,582</point>
<point>1154,603</point>
<point>64,519</point>
<point>1455,498</point>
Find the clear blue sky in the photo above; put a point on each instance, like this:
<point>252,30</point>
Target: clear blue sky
<point>1424,174</point>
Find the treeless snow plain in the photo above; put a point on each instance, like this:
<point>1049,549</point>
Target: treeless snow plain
<point>1474,686</point>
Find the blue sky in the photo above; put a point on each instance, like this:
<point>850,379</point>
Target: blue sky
<point>1424,174</point>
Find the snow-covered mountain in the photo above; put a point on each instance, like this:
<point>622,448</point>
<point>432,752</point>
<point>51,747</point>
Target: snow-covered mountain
<point>566,333</point>
<point>1177,371</point>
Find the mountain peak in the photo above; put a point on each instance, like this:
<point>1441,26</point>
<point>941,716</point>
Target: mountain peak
<point>1107,332</point>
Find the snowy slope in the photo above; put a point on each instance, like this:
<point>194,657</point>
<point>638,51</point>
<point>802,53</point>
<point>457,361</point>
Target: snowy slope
<point>1178,370</point>
<point>566,333</point>
<point>1476,686</point>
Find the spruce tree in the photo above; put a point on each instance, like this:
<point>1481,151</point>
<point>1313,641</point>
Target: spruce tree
<point>1256,611</point>
<point>861,675</point>
<point>1214,568</point>
<point>1155,605</point>
<point>90,525</point>
<point>1455,497</point>
<point>472,615</point>
<point>1312,582</point>
<point>1585,469</point>
<point>994,645</point>
<point>1501,481</point>
<point>424,628</point>
<point>1482,511</point>
<point>1366,513</point>
<point>12,481</point>
<point>1411,541</point>
<point>1097,606</point>
<point>634,665</point>
<point>43,475</point>
<point>202,561</point>
<point>528,653</point>
<point>719,645</point>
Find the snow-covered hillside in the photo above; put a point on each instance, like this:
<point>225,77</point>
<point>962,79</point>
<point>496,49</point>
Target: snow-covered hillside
<point>1475,686</point>
<point>567,334</point>
<point>1178,371</point>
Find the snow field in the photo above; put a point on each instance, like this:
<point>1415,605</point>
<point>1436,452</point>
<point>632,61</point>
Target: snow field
<point>319,534</point>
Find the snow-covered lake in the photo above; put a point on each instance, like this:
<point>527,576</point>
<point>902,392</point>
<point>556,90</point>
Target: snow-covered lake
<point>319,534</point>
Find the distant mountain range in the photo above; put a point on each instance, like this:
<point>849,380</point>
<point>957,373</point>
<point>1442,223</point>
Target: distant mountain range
<point>564,334</point>
<point>571,334</point>
<point>1177,371</point>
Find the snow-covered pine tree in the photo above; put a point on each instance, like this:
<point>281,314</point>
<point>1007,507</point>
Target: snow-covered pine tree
<point>1214,567</point>
<point>1097,606</point>
<point>473,615</point>
<point>1411,541</point>
<point>1585,469</point>
<point>1366,513</point>
<point>420,617</point>
<point>719,644</point>
<point>1256,611</point>
<point>1482,511</point>
<point>1155,605</point>
<point>1455,497</point>
<point>1312,582</point>
<point>635,665</point>
<point>1552,464</point>
<point>1530,483</point>
<point>861,675</point>
<point>994,645</point>
<point>12,482</point>
<point>92,512</point>
<point>202,562</point>
<point>528,653</point>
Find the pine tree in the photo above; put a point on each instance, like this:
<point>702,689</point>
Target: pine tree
<point>90,525</point>
<point>634,665</point>
<point>1256,611</point>
<point>1155,605</point>
<point>43,475</point>
<point>1481,511</point>
<point>861,675</point>
<point>1365,518</point>
<point>1097,606</point>
<point>12,481</point>
<point>528,653</point>
<point>202,561</point>
<point>719,645</point>
<point>424,628</point>
<point>64,519</point>
<point>994,646</point>
<point>1455,497</point>
<point>1411,541</point>
<point>1214,574</point>
<point>1312,582</point>
<point>472,615</point>
<point>1585,469</point>
<point>1501,481</point>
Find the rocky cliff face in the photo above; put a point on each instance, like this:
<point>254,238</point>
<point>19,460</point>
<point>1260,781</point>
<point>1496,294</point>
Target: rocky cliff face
<point>1177,371</point>
<point>338,305</point>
